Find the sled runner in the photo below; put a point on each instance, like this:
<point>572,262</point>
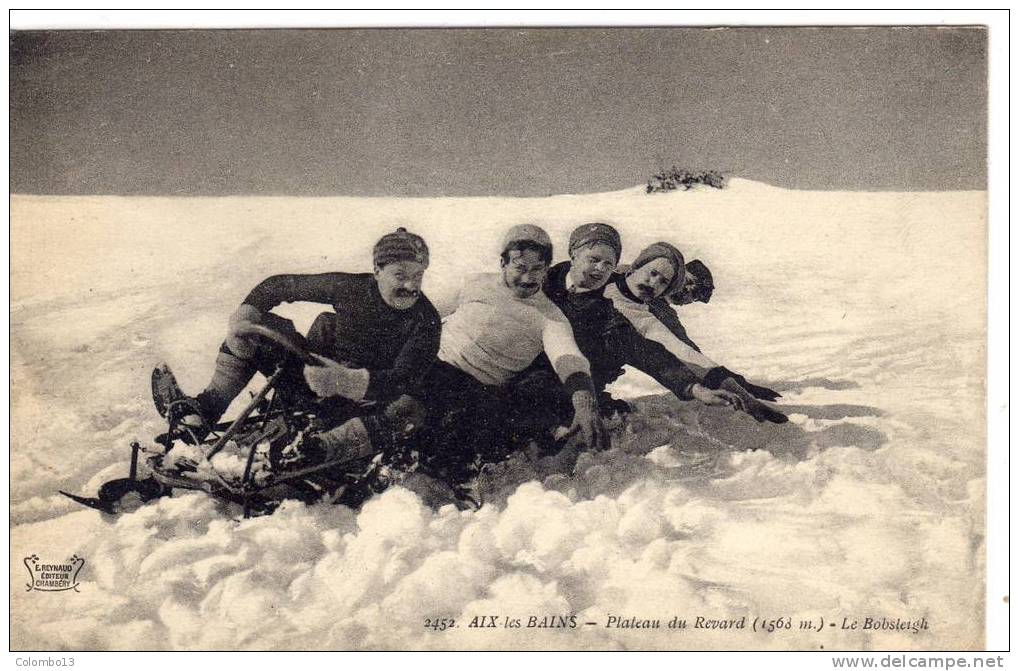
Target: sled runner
<point>253,461</point>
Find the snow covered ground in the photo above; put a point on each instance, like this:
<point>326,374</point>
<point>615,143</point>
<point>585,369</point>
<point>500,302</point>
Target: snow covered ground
<point>865,309</point>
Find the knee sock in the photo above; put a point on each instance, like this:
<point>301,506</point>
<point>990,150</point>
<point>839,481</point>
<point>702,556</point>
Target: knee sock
<point>231,376</point>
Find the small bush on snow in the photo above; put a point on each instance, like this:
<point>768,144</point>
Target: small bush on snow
<point>676,178</point>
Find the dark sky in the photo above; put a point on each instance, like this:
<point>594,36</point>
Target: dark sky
<point>494,112</point>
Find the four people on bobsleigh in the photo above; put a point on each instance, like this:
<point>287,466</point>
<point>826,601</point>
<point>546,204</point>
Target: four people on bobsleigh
<point>528,350</point>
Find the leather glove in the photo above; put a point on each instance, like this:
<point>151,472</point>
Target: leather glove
<point>334,379</point>
<point>751,405</point>
<point>763,393</point>
<point>716,376</point>
<point>716,397</point>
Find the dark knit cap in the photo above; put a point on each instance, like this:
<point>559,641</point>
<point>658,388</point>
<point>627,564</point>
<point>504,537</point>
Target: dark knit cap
<point>400,246</point>
<point>590,234</point>
<point>662,250</point>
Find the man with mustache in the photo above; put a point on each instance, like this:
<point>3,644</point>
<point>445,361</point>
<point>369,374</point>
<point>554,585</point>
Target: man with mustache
<point>606,338</point>
<point>659,270</point>
<point>698,286</point>
<point>483,395</point>
<point>383,330</point>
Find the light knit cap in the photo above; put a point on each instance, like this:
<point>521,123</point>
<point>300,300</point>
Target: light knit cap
<point>528,233</point>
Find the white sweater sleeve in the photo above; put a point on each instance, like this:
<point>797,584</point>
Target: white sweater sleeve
<point>561,347</point>
<point>446,302</point>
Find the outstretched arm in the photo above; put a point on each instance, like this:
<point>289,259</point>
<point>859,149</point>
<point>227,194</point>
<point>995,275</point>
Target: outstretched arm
<point>652,358</point>
<point>320,288</point>
<point>717,376</point>
<point>657,361</point>
<point>649,357</point>
<point>575,372</point>
<point>711,374</point>
<point>272,291</point>
<point>648,326</point>
<point>664,313</point>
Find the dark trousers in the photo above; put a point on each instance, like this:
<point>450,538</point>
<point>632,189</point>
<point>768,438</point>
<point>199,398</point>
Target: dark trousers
<point>468,420</point>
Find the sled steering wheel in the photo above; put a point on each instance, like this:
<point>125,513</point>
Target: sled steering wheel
<point>294,343</point>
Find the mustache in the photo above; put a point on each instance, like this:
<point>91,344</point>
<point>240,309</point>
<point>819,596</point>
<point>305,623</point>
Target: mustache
<point>407,293</point>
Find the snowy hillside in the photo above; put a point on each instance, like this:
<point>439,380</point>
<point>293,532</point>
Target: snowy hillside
<point>865,309</point>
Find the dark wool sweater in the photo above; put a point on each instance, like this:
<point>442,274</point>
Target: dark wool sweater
<point>664,312</point>
<point>608,340</point>
<point>396,346</point>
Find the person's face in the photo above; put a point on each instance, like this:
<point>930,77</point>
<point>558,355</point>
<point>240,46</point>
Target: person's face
<point>592,265</point>
<point>651,279</point>
<point>400,283</point>
<point>687,293</point>
<point>524,272</point>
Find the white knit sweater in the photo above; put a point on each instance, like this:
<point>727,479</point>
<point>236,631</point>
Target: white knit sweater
<point>493,335</point>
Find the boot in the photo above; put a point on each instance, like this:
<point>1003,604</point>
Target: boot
<point>183,412</point>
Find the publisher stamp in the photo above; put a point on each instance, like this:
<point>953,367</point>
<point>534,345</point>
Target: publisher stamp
<point>49,576</point>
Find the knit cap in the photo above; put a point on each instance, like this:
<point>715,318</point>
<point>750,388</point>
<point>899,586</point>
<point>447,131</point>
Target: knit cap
<point>589,234</point>
<point>529,233</point>
<point>663,250</point>
<point>400,245</point>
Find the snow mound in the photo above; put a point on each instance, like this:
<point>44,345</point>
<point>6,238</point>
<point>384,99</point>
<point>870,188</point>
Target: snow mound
<point>869,503</point>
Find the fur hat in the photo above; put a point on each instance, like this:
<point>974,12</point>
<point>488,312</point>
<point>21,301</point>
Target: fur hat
<point>400,246</point>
